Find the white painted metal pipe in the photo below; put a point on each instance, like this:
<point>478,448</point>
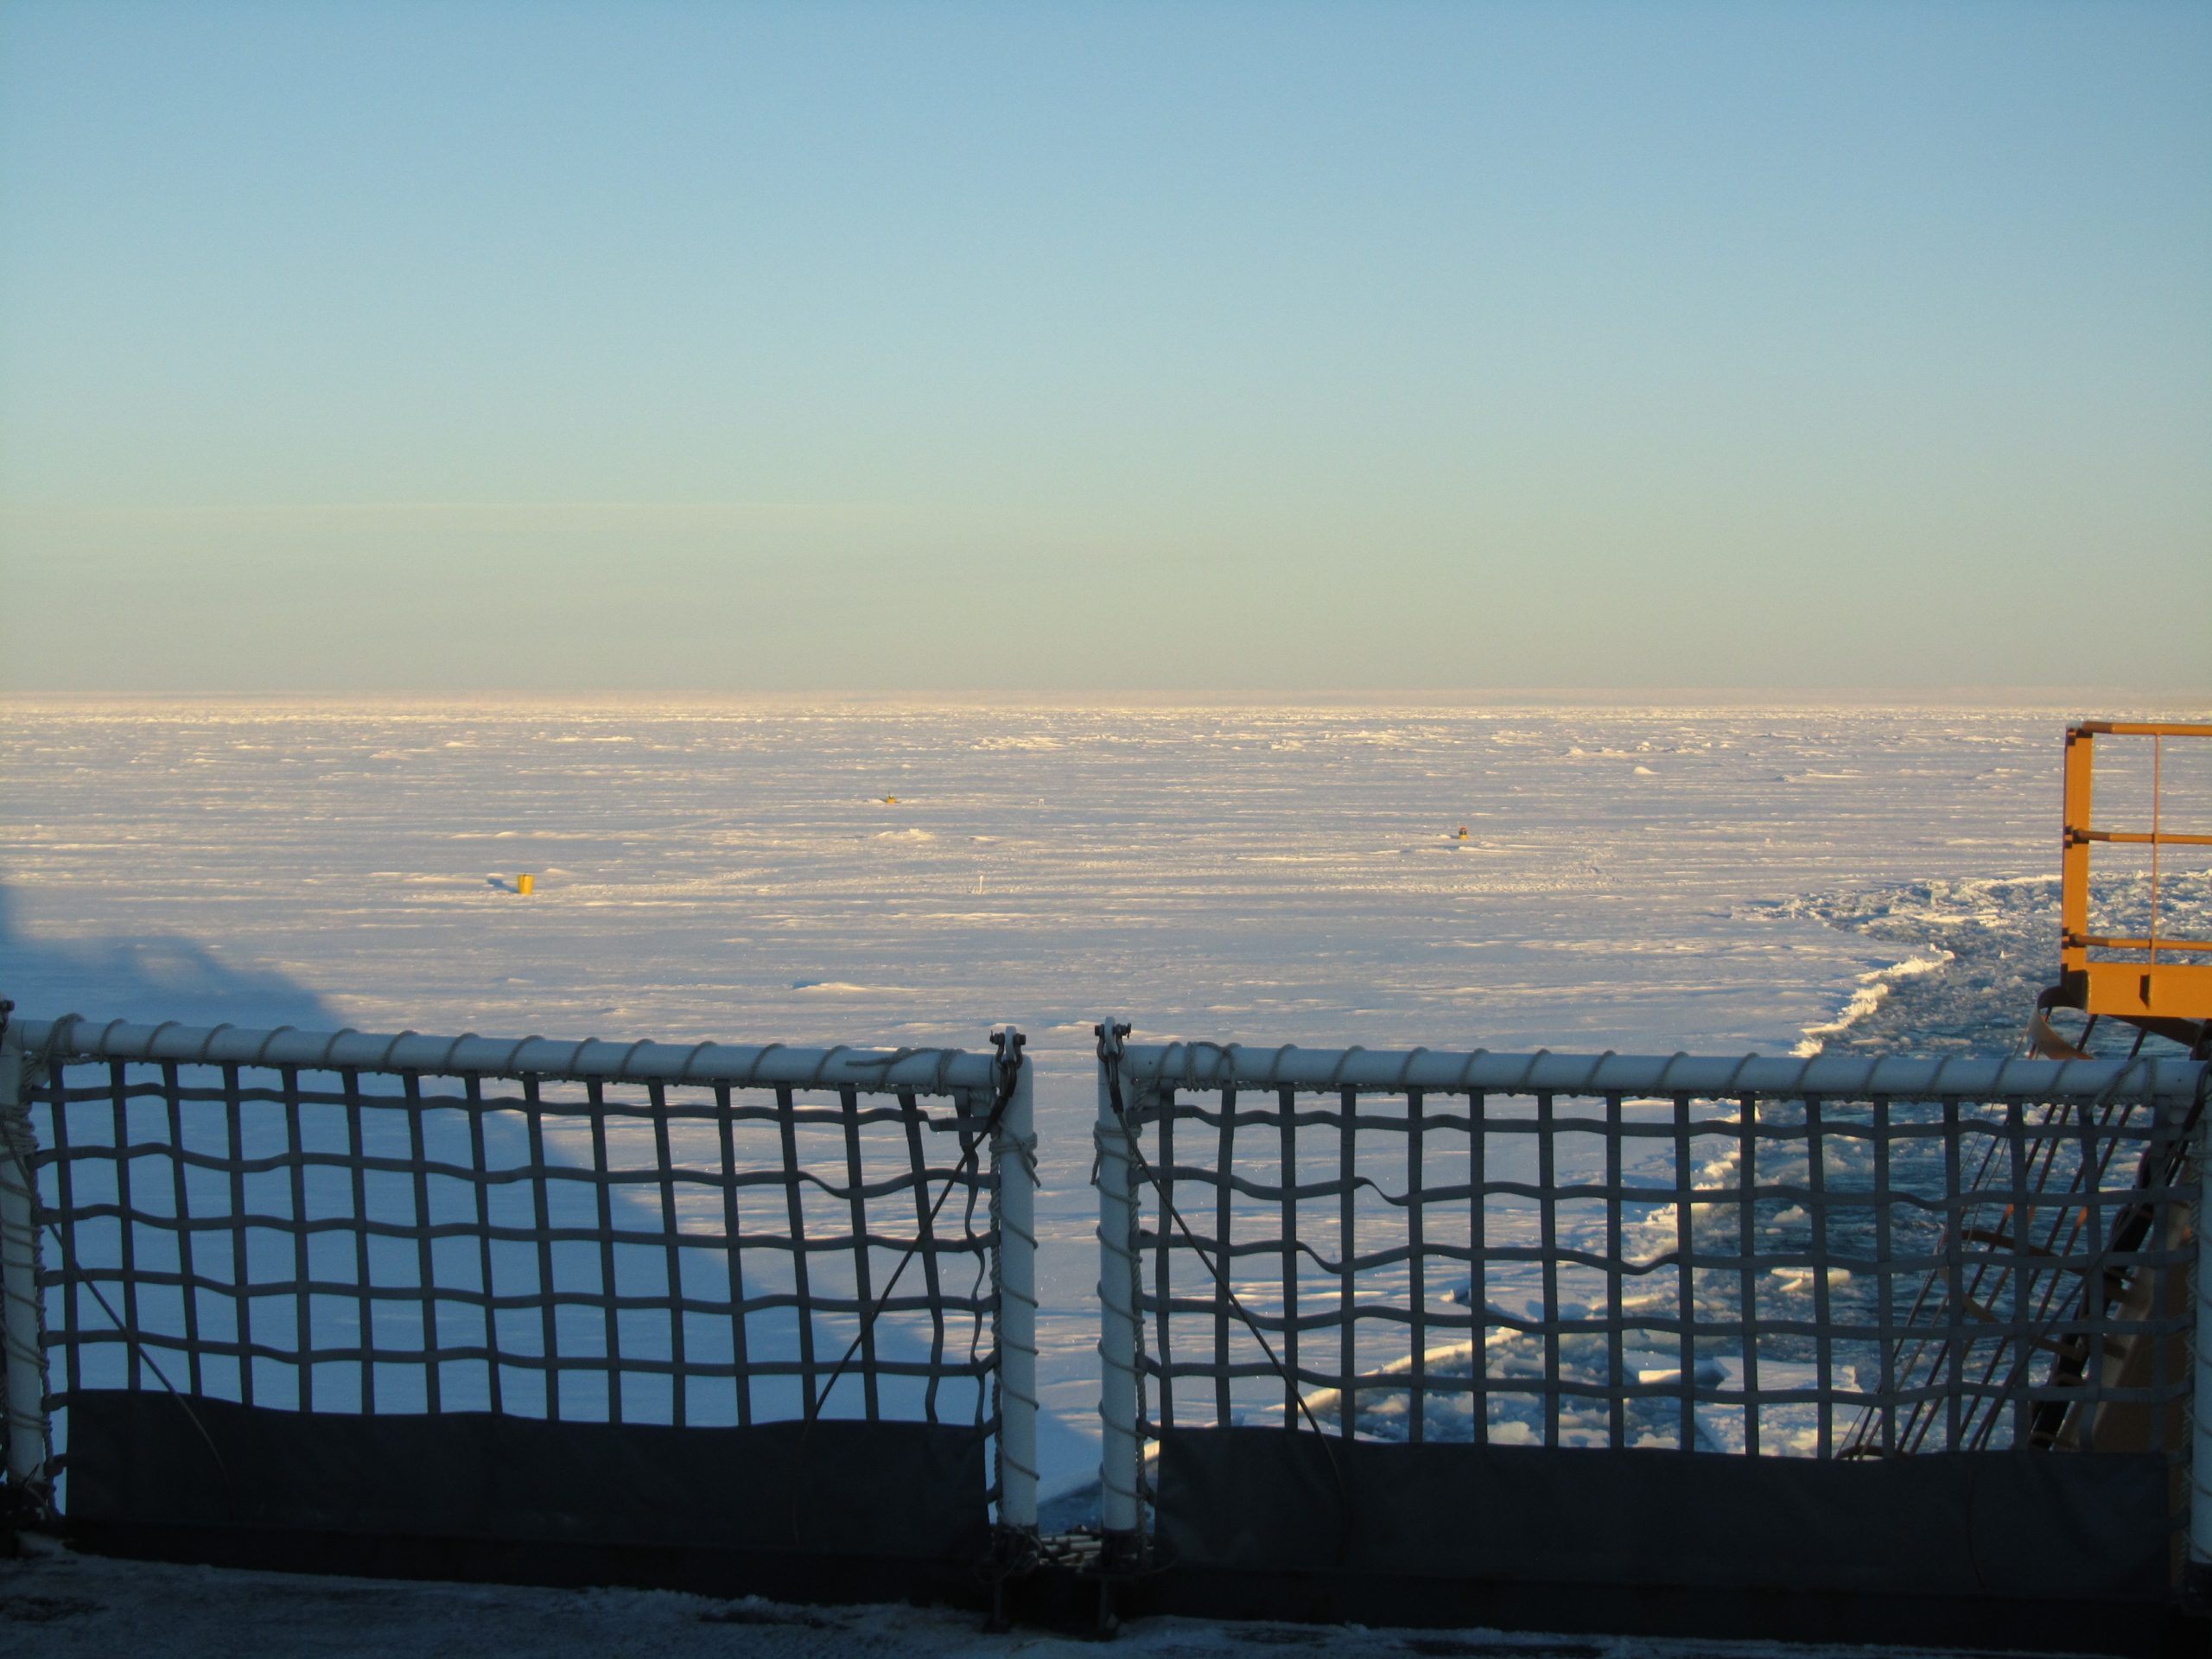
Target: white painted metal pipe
<point>1849,1076</point>
<point>20,1351</point>
<point>1120,1513</point>
<point>1014,1156</point>
<point>931,1070</point>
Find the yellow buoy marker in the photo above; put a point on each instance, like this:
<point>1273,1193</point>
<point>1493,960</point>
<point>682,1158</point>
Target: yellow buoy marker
<point>525,883</point>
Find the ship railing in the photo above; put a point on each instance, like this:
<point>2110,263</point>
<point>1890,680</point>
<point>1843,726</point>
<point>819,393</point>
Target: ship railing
<point>574,1297</point>
<point>1927,1326</point>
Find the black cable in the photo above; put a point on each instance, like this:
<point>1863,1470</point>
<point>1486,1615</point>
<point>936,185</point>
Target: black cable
<point>1009,1044</point>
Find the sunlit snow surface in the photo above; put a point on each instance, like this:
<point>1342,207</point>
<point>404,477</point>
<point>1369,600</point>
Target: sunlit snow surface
<point>1708,880</point>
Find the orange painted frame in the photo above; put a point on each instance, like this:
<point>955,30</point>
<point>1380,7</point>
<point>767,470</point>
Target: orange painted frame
<point>2146,987</point>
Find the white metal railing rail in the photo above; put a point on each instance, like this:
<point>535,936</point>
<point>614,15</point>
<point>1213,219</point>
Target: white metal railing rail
<point>963,1074</point>
<point>685,1234</point>
<point>1197,1065</point>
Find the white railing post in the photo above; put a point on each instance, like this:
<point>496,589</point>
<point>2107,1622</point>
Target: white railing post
<point>22,1354</point>
<point>1014,1156</point>
<point>1121,1515</point>
<point>2197,1577</point>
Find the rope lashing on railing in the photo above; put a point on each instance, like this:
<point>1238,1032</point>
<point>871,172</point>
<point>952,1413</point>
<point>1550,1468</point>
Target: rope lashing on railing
<point>1109,1057</point>
<point>1120,1373</point>
<point>1015,1550</point>
<point>1117,1287</point>
<point>1024,1147</point>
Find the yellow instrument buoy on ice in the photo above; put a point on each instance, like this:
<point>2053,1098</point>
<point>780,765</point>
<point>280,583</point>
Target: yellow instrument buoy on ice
<point>1463,832</point>
<point>890,800</point>
<point>525,883</point>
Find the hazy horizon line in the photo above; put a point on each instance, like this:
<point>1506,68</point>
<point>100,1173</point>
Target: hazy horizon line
<point>2037,698</point>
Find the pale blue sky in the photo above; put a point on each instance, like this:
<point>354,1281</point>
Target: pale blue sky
<point>1116,347</point>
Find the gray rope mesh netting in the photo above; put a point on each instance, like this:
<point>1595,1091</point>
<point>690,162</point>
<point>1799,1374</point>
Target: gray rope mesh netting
<point>588,1250</point>
<point>1820,1277</point>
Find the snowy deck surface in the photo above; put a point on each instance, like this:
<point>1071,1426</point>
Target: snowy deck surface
<point>66,1607</point>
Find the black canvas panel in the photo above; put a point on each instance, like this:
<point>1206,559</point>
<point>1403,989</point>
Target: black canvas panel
<point>2043,1526</point>
<point>900,1489</point>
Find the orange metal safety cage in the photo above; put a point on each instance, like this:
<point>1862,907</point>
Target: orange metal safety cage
<point>2154,981</point>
